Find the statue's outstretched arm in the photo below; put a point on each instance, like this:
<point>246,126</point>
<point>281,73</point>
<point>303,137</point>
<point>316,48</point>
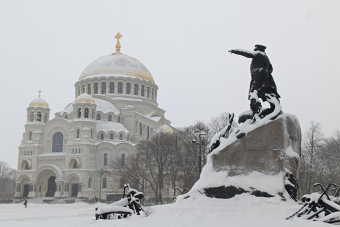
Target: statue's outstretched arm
<point>244,53</point>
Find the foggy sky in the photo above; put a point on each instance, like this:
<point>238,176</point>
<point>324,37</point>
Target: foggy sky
<point>45,45</point>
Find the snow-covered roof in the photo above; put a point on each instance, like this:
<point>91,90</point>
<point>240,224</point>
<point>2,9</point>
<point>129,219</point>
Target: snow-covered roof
<point>105,106</point>
<point>117,64</point>
<point>165,129</point>
<point>108,75</point>
<point>84,98</point>
<point>128,107</point>
<point>68,109</point>
<point>38,102</point>
<point>156,119</point>
<point>102,105</point>
<point>107,126</point>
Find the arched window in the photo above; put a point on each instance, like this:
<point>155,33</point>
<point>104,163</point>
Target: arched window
<point>86,113</point>
<point>95,88</point>
<point>89,183</point>
<point>91,133</point>
<point>118,119</point>
<point>83,88</point>
<point>135,90</point>
<point>120,88</point>
<point>57,144</point>
<point>122,161</point>
<point>152,94</point>
<point>26,166</point>
<point>148,132</point>
<point>45,117</point>
<point>148,92</point>
<point>112,87</point>
<point>111,136</point>
<point>89,89</point>
<point>66,116</point>
<point>105,159</point>
<point>120,136</point>
<point>104,182</point>
<point>31,116</point>
<point>103,88</point>
<point>142,90</point>
<point>78,132</point>
<point>39,117</point>
<point>98,117</point>
<point>74,164</point>
<point>128,88</point>
<point>140,129</point>
<point>79,113</point>
<point>30,136</point>
<point>110,117</point>
<point>102,136</point>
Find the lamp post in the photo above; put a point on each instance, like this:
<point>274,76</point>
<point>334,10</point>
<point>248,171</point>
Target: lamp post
<point>101,173</point>
<point>200,139</point>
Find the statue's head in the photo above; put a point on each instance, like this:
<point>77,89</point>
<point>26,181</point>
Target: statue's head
<point>260,48</point>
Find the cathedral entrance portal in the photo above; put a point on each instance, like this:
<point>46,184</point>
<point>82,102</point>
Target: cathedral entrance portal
<point>74,191</point>
<point>51,188</point>
<point>26,190</point>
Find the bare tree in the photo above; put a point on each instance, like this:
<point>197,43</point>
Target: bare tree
<point>7,181</point>
<point>311,153</point>
<point>218,123</point>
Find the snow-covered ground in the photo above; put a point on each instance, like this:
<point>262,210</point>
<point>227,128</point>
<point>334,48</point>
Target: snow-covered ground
<point>242,210</point>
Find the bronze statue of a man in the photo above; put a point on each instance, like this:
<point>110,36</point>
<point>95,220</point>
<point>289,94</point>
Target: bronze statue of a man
<point>262,81</point>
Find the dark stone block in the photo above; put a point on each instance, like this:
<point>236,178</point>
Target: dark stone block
<point>223,192</point>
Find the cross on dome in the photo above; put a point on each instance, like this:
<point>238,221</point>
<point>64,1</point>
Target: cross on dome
<point>118,46</point>
<point>39,93</point>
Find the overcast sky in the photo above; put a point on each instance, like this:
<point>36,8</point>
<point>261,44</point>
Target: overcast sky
<point>45,45</point>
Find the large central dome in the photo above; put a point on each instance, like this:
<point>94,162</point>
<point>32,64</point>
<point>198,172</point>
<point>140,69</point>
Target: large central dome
<point>117,63</point>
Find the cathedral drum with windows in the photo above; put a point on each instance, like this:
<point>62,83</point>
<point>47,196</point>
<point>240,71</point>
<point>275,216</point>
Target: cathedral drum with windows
<point>115,107</point>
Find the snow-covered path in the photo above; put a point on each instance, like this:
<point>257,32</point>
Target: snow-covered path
<point>241,210</point>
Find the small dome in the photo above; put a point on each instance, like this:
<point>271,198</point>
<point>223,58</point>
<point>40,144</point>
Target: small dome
<point>165,128</point>
<point>39,102</point>
<point>117,63</point>
<point>85,98</point>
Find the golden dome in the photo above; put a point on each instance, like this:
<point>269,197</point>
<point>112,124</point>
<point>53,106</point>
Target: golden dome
<point>117,63</point>
<point>165,128</point>
<point>85,98</point>
<point>39,102</point>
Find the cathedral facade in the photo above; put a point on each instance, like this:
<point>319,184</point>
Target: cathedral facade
<point>115,107</point>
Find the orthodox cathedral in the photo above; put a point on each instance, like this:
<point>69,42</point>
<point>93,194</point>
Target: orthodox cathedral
<point>115,107</point>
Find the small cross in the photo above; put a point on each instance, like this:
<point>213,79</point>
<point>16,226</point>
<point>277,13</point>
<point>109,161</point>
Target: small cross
<point>118,36</point>
<point>39,93</point>
<point>118,46</point>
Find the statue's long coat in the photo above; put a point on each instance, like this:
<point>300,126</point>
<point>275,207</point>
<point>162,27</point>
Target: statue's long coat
<point>261,73</point>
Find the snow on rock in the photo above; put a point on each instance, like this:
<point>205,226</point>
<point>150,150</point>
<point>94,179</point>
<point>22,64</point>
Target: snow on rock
<point>257,162</point>
<point>259,181</point>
